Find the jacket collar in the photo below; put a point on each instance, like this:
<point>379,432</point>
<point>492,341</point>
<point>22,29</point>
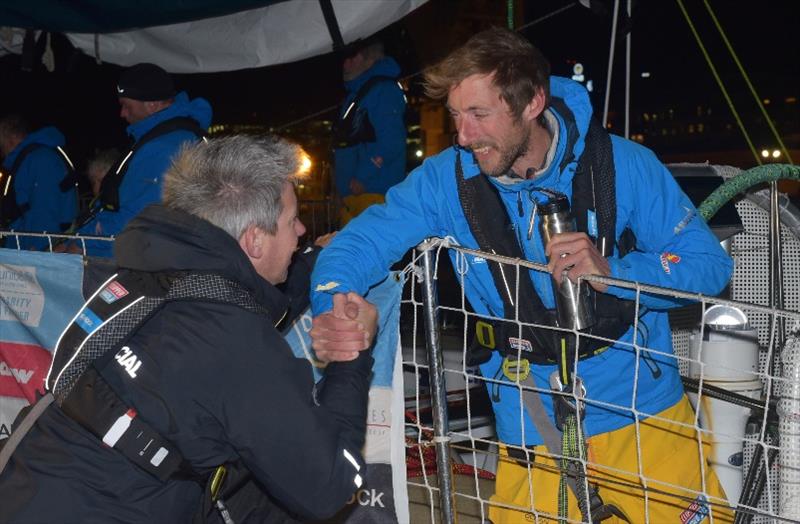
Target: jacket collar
<point>166,240</point>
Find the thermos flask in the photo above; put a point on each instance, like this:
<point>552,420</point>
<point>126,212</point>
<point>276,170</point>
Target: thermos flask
<point>574,302</point>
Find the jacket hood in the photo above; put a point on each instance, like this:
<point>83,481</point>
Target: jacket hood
<point>198,109</point>
<point>160,239</point>
<point>386,66</point>
<point>46,136</point>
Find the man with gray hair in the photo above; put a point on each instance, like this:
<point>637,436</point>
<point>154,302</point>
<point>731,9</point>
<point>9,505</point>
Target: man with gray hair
<point>203,383</point>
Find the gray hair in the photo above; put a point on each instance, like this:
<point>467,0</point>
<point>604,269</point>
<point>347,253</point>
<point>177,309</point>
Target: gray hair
<point>233,182</point>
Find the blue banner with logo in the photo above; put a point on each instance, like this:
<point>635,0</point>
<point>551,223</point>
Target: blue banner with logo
<point>39,295</point>
<point>384,496</point>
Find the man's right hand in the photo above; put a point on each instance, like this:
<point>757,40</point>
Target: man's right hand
<point>350,327</point>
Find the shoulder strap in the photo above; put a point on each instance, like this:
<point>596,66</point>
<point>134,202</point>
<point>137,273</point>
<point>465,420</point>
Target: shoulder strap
<point>109,187</point>
<point>22,155</point>
<point>20,430</point>
<point>96,336</point>
<point>368,85</point>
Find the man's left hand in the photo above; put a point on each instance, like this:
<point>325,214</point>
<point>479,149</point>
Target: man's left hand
<point>577,254</point>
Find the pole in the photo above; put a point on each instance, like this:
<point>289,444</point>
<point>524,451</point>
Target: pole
<point>438,390</point>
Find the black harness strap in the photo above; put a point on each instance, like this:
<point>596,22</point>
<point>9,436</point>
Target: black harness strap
<point>109,187</point>
<point>493,230</point>
<point>354,127</point>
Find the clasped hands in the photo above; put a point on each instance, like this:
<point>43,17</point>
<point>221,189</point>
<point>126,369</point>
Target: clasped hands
<point>339,334</point>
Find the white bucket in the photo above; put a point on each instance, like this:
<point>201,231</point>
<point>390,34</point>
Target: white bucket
<point>727,355</point>
<point>726,423</point>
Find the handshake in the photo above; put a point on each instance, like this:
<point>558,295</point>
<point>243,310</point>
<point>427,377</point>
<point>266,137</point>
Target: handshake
<point>340,334</point>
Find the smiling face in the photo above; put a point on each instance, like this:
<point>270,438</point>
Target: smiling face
<point>278,248</point>
<point>498,139</point>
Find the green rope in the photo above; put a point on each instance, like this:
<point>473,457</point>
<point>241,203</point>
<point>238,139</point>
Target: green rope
<point>749,84</point>
<point>573,450</point>
<point>719,82</point>
<point>510,14</point>
<point>744,181</point>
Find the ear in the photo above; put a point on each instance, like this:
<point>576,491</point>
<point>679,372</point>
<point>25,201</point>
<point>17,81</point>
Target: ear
<point>252,242</point>
<point>534,107</point>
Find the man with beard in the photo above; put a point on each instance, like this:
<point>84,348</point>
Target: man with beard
<point>525,141</point>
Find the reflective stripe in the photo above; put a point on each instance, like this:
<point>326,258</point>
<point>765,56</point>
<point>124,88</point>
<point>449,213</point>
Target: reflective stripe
<point>351,459</point>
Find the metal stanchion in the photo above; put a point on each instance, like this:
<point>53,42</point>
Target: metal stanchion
<point>438,389</point>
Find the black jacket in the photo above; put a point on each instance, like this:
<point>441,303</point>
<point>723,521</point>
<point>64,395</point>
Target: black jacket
<point>216,380</point>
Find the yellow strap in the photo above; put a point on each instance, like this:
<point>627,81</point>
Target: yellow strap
<point>217,479</point>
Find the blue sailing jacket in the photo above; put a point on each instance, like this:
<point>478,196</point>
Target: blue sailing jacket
<point>142,182</point>
<point>675,249</point>
<point>36,184</point>
<point>380,164</point>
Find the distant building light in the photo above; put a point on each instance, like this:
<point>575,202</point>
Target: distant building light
<point>589,86</point>
<point>791,100</point>
<point>418,153</point>
<point>645,74</point>
<point>305,164</point>
<point>766,101</point>
<point>776,153</point>
<point>765,153</point>
<point>578,78</point>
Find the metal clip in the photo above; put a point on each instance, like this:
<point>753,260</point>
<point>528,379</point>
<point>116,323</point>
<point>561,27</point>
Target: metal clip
<point>567,400</point>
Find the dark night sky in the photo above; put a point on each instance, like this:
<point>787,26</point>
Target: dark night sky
<point>79,97</point>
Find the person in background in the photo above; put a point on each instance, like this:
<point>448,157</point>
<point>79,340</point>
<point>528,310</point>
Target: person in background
<point>97,167</point>
<point>160,121</point>
<point>37,184</point>
<point>369,136</point>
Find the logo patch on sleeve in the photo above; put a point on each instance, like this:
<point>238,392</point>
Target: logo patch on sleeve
<point>667,259</point>
<point>113,292</point>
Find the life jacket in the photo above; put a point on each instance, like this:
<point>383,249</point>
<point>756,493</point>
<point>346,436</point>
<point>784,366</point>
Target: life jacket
<point>109,187</point>
<point>593,191</point>
<point>353,127</point>
<point>10,208</point>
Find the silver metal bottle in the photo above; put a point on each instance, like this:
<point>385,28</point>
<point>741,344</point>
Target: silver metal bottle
<point>574,302</point>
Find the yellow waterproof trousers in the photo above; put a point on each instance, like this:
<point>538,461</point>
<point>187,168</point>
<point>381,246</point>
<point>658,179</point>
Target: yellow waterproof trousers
<point>663,485</point>
<point>352,205</point>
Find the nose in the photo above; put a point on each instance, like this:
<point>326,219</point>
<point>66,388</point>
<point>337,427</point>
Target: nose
<point>299,228</point>
<point>466,131</point>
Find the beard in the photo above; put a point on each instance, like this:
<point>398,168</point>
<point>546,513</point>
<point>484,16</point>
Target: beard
<point>509,154</point>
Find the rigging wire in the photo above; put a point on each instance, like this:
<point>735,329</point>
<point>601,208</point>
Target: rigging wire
<point>610,61</point>
<point>719,81</point>
<point>628,43</point>
<point>747,81</point>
